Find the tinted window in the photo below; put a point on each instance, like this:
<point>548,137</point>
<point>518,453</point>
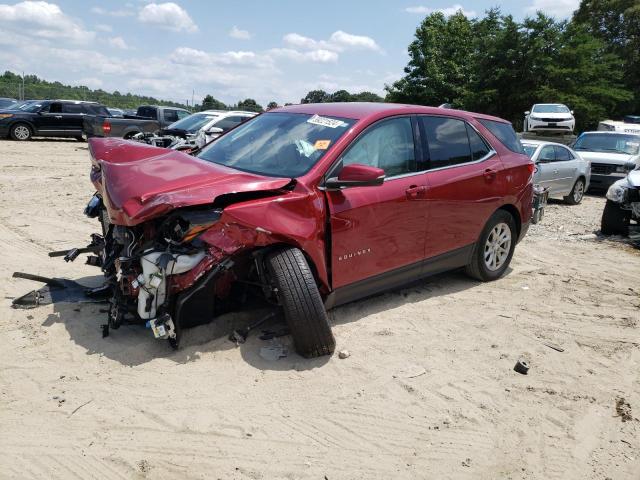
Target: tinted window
<point>277,144</point>
<point>55,108</point>
<point>387,145</point>
<point>505,133</point>
<point>548,154</point>
<point>98,110</point>
<point>149,112</point>
<point>182,114</point>
<point>447,140</point>
<point>71,108</point>
<point>228,123</point>
<point>479,148</point>
<point>562,154</point>
<point>170,116</point>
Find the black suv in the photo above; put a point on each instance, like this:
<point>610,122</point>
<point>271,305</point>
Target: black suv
<point>48,118</point>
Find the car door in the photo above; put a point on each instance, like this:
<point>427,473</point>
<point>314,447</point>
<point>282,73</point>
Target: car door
<point>464,184</point>
<point>567,167</point>
<point>72,117</point>
<point>49,119</point>
<point>547,174</point>
<point>379,230</point>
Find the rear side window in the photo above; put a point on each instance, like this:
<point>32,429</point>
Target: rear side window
<point>71,108</point>
<point>149,112</point>
<point>479,148</point>
<point>447,140</point>
<point>505,133</point>
<point>229,123</point>
<point>182,114</point>
<point>170,116</point>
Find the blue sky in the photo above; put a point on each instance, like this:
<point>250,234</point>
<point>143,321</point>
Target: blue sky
<point>265,49</point>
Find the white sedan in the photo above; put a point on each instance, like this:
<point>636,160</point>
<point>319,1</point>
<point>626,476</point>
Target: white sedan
<point>565,173</point>
<point>549,117</point>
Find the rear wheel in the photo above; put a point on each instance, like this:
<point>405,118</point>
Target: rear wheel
<point>577,193</point>
<point>494,249</point>
<point>301,301</point>
<point>615,220</point>
<point>21,132</point>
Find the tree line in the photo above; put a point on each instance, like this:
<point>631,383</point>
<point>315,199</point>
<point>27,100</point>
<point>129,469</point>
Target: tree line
<point>500,66</point>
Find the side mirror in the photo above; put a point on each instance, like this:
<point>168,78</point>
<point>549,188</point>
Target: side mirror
<point>571,112</point>
<point>214,130</point>
<point>527,112</point>
<point>356,175</point>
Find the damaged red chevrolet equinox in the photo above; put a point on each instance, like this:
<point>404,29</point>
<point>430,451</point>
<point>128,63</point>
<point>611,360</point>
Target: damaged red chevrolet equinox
<point>311,206</point>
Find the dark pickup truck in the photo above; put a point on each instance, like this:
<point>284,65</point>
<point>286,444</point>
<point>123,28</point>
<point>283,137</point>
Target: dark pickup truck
<point>50,118</point>
<point>148,119</point>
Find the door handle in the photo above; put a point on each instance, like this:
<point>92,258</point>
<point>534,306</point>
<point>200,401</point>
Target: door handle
<point>57,116</point>
<point>555,171</point>
<point>415,191</point>
<point>489,175</point>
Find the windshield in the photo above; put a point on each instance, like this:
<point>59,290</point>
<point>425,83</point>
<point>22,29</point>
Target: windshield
<point>5,103</point>
<point>550,109</point>
<point>277,144</point>
<point>529,149</point>
<point>193,123</point>
<point>31,107</point>
<point>614,143</point>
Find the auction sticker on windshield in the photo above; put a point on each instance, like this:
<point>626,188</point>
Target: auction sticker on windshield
<point>326,122</point>
<point>322,144</point>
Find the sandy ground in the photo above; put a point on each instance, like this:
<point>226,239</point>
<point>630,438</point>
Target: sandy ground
<point>429,390</point>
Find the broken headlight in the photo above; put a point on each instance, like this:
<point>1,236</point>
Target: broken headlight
<point>617,193</point>
<point>185,226</point>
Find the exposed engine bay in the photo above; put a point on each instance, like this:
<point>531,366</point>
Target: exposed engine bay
<point>174,139</point>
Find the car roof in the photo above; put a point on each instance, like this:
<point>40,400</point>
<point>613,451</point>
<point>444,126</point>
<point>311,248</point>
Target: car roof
<point>603,132</point>
<point>542,142</point>
<point>549,104</point>
<point>361,110</point>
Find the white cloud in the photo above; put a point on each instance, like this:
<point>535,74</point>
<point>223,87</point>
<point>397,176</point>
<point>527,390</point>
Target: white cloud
<point>169,16</point>
<point>339,41</point>
<point>318,55</point>
<point>446,11</point>
<point>555,8</point>
<point>123,12</point>
<point>103,27</point>
<point>43,20</point>
<point>118,42</point>
<point>239,34</point>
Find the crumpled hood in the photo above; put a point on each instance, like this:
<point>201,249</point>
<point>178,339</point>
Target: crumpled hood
<point>606,157</point>
<point>139,182</point>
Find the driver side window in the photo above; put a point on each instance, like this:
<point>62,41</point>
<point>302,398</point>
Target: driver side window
<point>547,154</point>
<point>387,145</point>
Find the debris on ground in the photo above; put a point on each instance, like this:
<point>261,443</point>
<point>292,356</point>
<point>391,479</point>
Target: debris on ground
<point>344,354</point>
<point>522,366</point>
<point>623,410</point>
<point>274,352</point>
<point>56,290</point>
<point>411,371</point>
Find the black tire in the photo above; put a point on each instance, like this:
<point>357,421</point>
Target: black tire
<point>615,220</point>
<point>478,268</point>
<point>576,191</point>
<point>301,301</point>
<point>21,132</point>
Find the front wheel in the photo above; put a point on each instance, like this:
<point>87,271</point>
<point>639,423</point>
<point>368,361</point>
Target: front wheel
<point>21,132</point>
<point>615,220</point>
<point>303,308</point>
<point>577,193</point>
<point>494,249</point>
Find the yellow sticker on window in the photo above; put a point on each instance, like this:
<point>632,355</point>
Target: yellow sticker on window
<point>322,144</point>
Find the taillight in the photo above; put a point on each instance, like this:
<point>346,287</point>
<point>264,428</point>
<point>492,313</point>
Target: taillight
<point>106,127</point>
<point>531,167</point>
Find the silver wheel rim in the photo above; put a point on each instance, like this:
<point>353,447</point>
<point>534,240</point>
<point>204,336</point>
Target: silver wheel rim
<point>578,191</point>
<point>497,247</point>
<point>21,132</point>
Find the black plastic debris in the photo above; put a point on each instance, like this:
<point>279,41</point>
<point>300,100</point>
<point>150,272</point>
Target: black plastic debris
<point>522,366</point>
<point>56,290</point>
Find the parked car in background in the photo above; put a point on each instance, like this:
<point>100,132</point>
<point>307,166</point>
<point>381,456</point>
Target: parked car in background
<point>7,102</point>
<point>312,206</point>
<point>623,205</point>
<point>49,118</point>
<point>148,119</point>
<point>116,112</point>
<point>221,122</point>
<point>612,155</point>
<point>549,117</point>
<point>24,104</point>
<point>560,169</point>
<point>629,124</point>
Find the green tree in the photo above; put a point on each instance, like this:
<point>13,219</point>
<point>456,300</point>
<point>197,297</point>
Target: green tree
<point>439,68</point>
<point>272,105</point>
<point>366,97</point>
<point>340,96</point>
<point>210,103</point>
<point>316,96</point>
<point>250,105</point>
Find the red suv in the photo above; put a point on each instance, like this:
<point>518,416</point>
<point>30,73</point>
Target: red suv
<point>310,206</point>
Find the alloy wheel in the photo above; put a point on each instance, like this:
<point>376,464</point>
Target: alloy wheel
<point>578,191</point>
<point>497,247</point>
<point>21,132</point>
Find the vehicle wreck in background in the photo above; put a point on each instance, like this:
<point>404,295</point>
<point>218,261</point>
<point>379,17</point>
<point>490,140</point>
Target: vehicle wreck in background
<point>623,205</point>
<point>309,207</point>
